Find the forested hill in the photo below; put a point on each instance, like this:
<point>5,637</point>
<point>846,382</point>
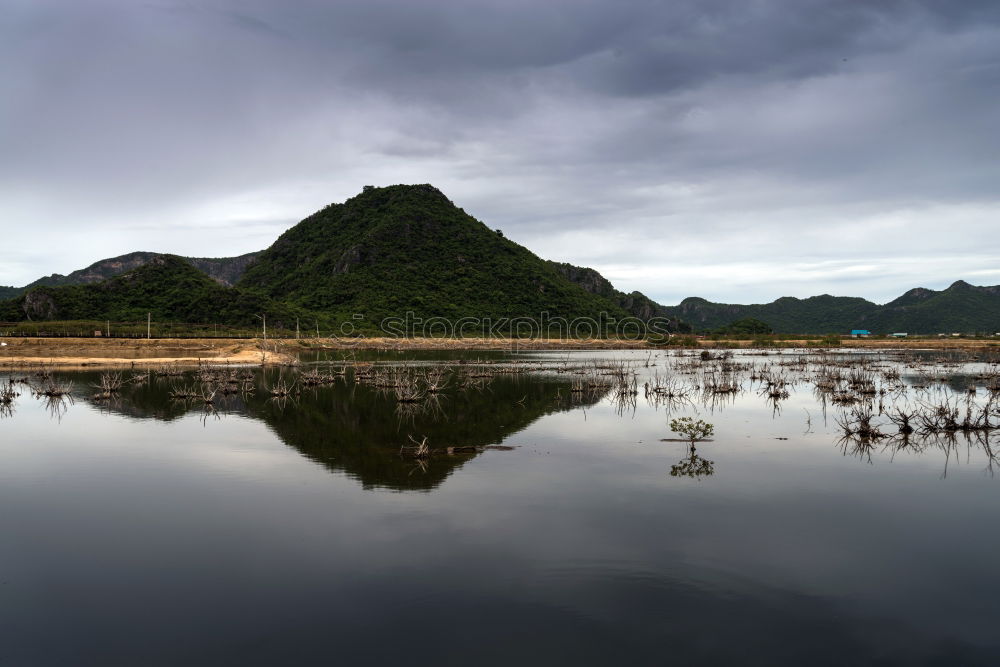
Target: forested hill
<point>961,307</point>
<point>408,248</point>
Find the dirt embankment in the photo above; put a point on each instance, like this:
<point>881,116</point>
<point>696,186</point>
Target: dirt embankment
<point>68,352</point>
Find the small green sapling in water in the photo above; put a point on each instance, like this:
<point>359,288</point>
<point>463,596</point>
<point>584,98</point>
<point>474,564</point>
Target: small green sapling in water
<point>692,429</point>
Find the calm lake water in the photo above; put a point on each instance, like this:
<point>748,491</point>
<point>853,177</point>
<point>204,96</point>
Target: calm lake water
<point>150,530</point>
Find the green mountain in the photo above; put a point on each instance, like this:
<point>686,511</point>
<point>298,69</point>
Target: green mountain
<point>168,287</point>
<point>224,270</point>
<point>961,307</point>
<point>408,248</point>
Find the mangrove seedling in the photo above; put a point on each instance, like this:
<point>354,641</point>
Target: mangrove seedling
<point>692,429</point>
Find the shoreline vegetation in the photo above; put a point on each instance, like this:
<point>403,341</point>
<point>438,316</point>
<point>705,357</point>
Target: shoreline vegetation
<point>17,352</point>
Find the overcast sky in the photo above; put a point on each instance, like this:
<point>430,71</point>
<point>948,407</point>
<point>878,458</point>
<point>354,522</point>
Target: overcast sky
<point>738,150</point>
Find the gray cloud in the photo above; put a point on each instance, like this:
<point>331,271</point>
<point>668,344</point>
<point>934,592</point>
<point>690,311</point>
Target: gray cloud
<point>739,151</point>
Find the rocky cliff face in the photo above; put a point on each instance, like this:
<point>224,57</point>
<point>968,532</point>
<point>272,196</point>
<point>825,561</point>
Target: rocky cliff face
<point>587,278</point>
<point>107,268</point>
<point>39,306</point>
<point>224,270</point>
<point>635,304</point>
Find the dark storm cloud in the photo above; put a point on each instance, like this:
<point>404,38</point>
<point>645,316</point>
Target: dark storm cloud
<point>698,147</point>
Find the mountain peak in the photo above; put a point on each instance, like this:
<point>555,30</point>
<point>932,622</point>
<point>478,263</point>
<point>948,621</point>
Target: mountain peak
<point>389,193</point>
<point>408,248</point>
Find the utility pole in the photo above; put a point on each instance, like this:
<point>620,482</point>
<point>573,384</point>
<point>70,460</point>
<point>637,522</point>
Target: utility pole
<point>108,333</point>
<point>263,318</point>
<point>317,328</point>
<point>149,320</point>
<point>296,327</point>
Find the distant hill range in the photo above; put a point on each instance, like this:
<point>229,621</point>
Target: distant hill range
<point>224,270</point>
<point>168,288</point>
<point>959,308</point>
<point>408,249</point>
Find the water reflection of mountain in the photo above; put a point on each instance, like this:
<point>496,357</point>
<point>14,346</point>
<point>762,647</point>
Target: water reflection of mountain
<point>356,429</point>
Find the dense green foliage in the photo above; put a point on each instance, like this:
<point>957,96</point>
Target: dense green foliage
<point>746,326</point>
<point>399,249</point>
<point>167,287</point>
